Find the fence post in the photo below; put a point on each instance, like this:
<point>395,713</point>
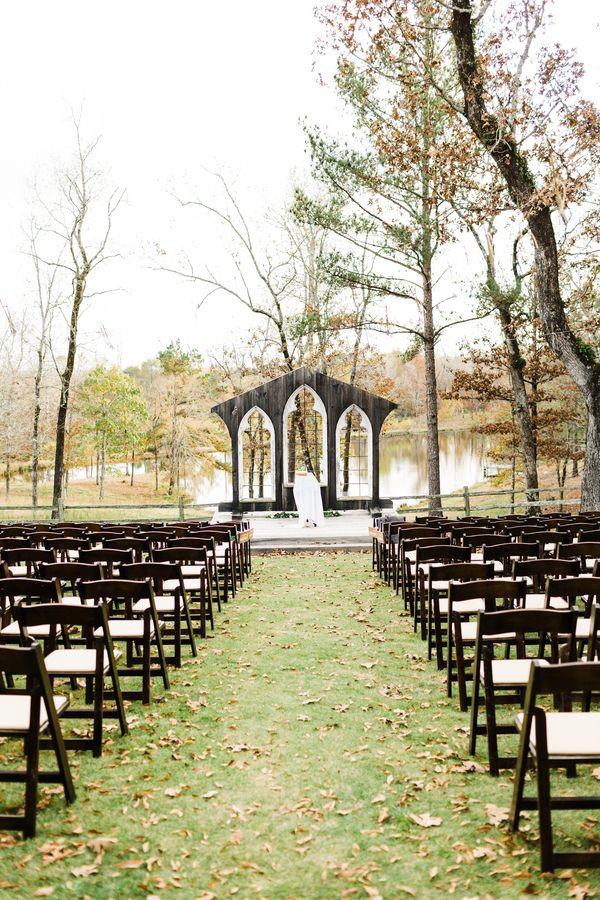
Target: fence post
<point>181,508</point>
<point>467,500</point>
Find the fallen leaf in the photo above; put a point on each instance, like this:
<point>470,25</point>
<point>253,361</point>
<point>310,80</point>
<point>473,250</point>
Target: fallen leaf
<point>84,871</point>
<point>425,820</point>
<point>496,814</point>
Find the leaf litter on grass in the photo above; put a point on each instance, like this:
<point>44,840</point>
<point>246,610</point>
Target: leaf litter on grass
<point>309,751</point>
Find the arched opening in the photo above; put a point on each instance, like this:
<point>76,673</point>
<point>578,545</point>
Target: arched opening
<point>256,440</point>
<point>304,433</point>
<point>354,449</point>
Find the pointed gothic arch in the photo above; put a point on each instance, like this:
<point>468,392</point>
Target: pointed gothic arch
<point>354,454</point>
<point>256,442</point>
<point>304,435</point>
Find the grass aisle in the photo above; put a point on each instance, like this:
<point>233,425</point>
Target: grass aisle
<point>309,752</point>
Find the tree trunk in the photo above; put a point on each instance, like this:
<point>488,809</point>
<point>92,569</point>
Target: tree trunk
<point>172,461</point>
<point>261,461</point>
<point>346,454</point>
<point>251,466</point>
<point>156,469</point>
<point>521,408</point>
<point>301,424</point>
<point>291,447</point>
<point>7,474</point>
<point>577,357</point>
<point>65,387</point>
<point>102,465</point>
<point>35,435</point>
<point>431,394</point>
<point>132,464</point>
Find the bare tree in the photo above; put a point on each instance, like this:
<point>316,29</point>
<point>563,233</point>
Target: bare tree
<point>81,220</point>
<point>47,301</point>
<point>13,409</point>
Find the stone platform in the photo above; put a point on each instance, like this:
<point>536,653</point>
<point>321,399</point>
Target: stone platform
<point>348,531</point>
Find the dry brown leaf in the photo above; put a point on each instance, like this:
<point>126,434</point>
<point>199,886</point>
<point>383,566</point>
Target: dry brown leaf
<point>384,815</point>
<point>425,820</point>
<point>496,814</point>
<point>85,871</point>
<point>44,892</point>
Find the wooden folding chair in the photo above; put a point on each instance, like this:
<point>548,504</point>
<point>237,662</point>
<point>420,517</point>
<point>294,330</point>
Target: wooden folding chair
<point>142,630</point>
<point>558,739</point>
<point>170,600</point>
<point>196,579</point>
<point>465,601</point>
<point>96,661</point>
<point>504,680</point>
<point>26,712</point>
<point>438,580</point>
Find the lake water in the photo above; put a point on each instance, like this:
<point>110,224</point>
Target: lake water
<point>402,468</point>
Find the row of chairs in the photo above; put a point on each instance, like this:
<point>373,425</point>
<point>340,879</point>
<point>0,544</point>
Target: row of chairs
<point>101,620</point>
<point>517,618</point>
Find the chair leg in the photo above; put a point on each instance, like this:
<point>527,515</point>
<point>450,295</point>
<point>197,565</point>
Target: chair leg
<point>491,728</point>
<point>207,593</point>
<point>146,676</point>
<point>474,714</point>
<point>177,634</point>
<point>118,696</point>
<point>190,628</point>
<point>215,576</point>
<point>543,793</point>
<point>519,782</point>
<point>62,761</point>
<point>437,626</point>
<point>32,745</point>
<point>98,710</point>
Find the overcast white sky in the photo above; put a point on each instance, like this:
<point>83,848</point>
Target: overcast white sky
<point>172,88</point>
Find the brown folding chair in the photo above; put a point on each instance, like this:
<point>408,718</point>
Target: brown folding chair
<point>142,630</point>
<point>26,713</point>
<point>465,601</point>
<point>557,739</point>
<point>504,680</point>
<point>171,601</point>
<point>94,662</point>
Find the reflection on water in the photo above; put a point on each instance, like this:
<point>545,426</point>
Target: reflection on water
<point>402,468</point>
<point>403,462</point>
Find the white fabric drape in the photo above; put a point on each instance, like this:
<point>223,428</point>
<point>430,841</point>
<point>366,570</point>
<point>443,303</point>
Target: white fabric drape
<point>307,495</point>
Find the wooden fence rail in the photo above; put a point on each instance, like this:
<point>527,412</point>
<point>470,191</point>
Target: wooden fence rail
<point>464,502</point>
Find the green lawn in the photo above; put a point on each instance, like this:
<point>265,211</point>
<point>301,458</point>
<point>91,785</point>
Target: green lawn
<point>309,752</point>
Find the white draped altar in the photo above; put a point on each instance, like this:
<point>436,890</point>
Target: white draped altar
<point>307,496</point>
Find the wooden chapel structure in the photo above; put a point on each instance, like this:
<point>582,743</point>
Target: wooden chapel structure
<point>332,401</point>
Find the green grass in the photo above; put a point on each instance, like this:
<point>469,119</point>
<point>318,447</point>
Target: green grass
<point>286,762</point>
